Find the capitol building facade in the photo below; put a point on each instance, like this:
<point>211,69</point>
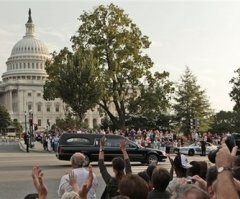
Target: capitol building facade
<point>21,89</point>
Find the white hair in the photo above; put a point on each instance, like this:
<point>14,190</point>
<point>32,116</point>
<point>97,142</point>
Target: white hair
<point>70,195</point>
<point>77,160</point>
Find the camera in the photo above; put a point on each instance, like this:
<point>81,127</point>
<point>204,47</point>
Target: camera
<point>230,142</point>
<point>189,180</point>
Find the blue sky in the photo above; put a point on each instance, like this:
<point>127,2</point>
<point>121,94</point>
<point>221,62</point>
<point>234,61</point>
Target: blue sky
<point>203,35</point>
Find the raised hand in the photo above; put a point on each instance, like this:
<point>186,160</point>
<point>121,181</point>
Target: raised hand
<point>234,151</point>
<point>73,181</point>
<point>122,145</point>
<point>170,159</point>
<point>87,184</point>
<point>37,176</point>
<point>102,141</point>
<point>224,157</point>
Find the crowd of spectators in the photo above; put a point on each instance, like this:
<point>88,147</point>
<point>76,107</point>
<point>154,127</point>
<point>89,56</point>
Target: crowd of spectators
<point>185,180</point>
<point>163,140</point>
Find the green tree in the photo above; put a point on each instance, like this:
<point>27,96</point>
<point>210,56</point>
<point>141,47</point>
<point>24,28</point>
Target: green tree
<point>166,122</point>
<point>235,93</point>
<point>106,123</point>
<point>223,122</point>
<point>69,122</point>
<point>191,103</point>
<point>5,119</point>
<point>74,78</point>
<point>235,96</point>
<point>17,126</point>
<point>154,99</point>
<point>119,46</point>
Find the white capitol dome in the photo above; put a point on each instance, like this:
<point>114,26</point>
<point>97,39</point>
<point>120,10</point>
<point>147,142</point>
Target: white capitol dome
<point>29,45</point>
<point>22,86</point>
<point>28,57</point>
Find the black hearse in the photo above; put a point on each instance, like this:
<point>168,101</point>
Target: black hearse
<point>88,144</point>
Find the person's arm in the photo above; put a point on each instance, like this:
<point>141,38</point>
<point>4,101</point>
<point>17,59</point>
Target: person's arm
<point>41,188</point>
<point>103,170</point>
<point>87,184</point>
<point>73,181</point>
<point>63,186</point>
<point>101,148</point>
<point>123,148</point>
<point>172,166</point>
<point>225,182</point>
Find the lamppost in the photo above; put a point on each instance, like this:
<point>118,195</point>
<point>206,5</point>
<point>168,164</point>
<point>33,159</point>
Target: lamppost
<point>26,136</point>
<point>25,121</point>
<point>31,126</point>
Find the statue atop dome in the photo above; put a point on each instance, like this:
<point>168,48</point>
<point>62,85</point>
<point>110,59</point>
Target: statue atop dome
<point>29,16</point>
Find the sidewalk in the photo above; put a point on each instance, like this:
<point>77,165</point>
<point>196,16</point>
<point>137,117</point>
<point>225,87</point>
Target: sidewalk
<point>38,147</point>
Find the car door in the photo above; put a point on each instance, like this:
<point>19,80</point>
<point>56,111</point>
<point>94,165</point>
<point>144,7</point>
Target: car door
<point>111,148</point>
<point>135,152</point>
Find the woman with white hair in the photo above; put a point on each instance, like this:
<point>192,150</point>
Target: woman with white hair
<point>77,193</point>
<point>81,173</point>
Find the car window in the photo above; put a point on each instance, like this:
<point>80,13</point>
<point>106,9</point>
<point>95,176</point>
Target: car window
<point>112,142</point>
<point>131,145</point>
<point>82,141</point>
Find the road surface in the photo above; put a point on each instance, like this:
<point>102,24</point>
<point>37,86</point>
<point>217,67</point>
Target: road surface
<point>15,171</point>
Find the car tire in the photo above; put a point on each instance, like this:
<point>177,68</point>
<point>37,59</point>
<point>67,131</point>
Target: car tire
<point>87,160</point>
<point>152,159</point>
<point>191,152</point>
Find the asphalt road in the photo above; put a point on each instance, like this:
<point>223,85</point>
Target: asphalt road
<point>15,171</point>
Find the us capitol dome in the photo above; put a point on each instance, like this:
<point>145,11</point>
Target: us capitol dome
<point>21,89</point>
<point>28,57</point>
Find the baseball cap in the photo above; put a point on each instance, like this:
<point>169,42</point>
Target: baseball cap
<point>182,161</point>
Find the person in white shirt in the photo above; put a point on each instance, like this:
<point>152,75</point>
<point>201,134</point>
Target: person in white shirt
<point>81,173</point>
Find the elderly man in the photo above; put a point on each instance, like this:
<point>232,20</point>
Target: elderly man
<point>77,162</point>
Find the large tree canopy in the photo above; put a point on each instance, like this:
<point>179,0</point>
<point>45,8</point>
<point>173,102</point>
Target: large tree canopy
<point>114,72</point>
<point>118,44</point>
<point>224,121</point>
<point>191,103</point>
<point>74,78</point>
<point>154,99</point>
